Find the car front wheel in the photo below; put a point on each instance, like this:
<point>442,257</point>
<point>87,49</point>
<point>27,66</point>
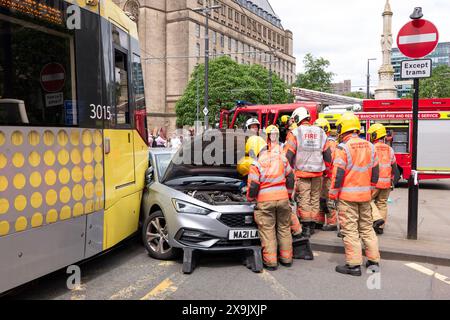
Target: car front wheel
<point>155,236</point>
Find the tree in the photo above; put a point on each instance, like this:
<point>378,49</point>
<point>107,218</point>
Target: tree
<point>356,94</point>
<point>228,82</point>
<point>438,86</point>
<point>315,77</point>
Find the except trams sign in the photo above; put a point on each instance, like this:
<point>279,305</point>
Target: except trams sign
<point>416,69</point>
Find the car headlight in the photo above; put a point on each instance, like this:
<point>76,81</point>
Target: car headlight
<point>185,207</point>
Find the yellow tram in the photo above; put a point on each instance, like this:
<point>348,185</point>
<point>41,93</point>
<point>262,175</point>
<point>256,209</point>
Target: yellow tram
<point>73,154</point>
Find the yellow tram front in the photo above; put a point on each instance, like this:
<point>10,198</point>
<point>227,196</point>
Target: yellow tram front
<point>72,162</point>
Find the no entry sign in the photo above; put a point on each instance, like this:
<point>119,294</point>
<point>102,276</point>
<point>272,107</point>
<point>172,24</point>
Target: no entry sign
<point>417,38</point>
<point>53,77</point>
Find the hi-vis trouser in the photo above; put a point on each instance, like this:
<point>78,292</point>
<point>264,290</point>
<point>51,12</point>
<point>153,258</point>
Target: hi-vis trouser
<point>308,192</point>
<point>327,215</point>
<point>296,227</point>
<point>355,219</point>
<point>380,200</point>
<point>274,219</point>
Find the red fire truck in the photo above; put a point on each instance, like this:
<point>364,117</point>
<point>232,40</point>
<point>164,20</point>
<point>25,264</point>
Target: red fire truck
<point>266,114</point>
<point>434,130</point>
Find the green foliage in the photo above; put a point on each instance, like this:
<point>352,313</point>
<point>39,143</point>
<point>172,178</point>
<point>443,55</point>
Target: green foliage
<point>315,77</point>
<point>355,94</point>
<point>228,82</point>
<point>438,86</point>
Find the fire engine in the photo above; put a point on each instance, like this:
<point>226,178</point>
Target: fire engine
<point>434,127</point>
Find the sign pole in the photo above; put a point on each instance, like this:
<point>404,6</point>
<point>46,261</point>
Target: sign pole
<point>413,199</point>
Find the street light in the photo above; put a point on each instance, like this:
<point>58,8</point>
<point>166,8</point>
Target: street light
<point>368,76</point>
<point>206,10</point>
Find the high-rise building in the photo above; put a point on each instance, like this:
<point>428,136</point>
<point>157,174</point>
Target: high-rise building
<point>440,56</point>
<point>172,38</point>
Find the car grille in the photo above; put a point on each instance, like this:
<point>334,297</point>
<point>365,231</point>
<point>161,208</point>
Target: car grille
<point>237,243</point>
<point>238,220</point>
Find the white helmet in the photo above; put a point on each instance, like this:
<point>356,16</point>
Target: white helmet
<point>251,122</point>
<point>300,114</point>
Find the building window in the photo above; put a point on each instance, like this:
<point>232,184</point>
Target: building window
<point>222,40</point>
<point>197,50</point>
<point>229,43</point>
<point>236,17</point>
<point>214,37</point>
<point>197,30</point>
<point>264,32</point>
<point>230,14</point>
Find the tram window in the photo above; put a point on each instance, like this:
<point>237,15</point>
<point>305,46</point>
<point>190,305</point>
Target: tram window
<point>138,83</point>
<point>35,75</point>
<point>121,88</point>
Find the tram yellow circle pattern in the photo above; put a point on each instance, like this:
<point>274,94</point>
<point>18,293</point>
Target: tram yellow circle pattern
<point>66,212</point>
<point>3,183</point>
<point>33,138</point>
<point>98,171</point>
<point>98,139</point>
<point>51,197</point>
<point>18,160</point>
<point>63,138</point>
<point>65,195</point>
<point>64,176</point>
<point>21,224</point>
<point>89,206</point>
<point>75,156</point>
<point>77,192</point>
<point>2,138</point>
<point>3,161</point>
<point>78,209</point>
<point>36,200</point>
<point>35,179</point>
<point>20,203</point>
<point>87,138</point>
<point>89,190</point>
<point>34,159</point>
<point>63,157</point>
<point>19,181</point>
<point>37,220</point>
<point>49,158</point>
<point>52,216</point>
<point>17,138</point>
<point>99,189</point>
<point>50,178</point>
<point>74,137</point>
<point>77,174</point>
<point>4,206</point>
<point>4,228</point>
<point>88,155</point>
<point>88,173</point>
<point>49,138</point>
<point>98,154</point>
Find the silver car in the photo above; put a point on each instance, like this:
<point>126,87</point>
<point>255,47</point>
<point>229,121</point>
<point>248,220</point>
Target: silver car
<point>196,208</point>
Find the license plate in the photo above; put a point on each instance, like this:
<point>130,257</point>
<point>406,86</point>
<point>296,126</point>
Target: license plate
<point>243,234</point>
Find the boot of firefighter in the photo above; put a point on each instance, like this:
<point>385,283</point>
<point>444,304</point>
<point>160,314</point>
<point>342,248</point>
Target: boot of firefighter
<point>350,270</point>
<point>306,232</point>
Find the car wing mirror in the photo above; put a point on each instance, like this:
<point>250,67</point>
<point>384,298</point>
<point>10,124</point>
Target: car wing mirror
<point>149,175</point>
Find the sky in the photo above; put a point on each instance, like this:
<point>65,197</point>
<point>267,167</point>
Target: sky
<point>348,32</point>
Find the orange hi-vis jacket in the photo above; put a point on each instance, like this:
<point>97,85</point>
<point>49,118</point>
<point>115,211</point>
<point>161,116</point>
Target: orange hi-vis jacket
<point>355,170</point>
<point>388,163</point>
<point>271,178</point>
<point>331,144</point>
<point>306,152</point>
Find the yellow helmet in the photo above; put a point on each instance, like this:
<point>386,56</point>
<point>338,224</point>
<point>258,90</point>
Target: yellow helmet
<point>243,167</point>
<point>348,123</point>
<point>285,119</point>
<point>272,129</point>
<point>254,145</point>
<point>377,132</point>
<point>324,124</point>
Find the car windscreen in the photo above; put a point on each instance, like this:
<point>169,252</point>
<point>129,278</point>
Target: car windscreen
<point>162,162</point>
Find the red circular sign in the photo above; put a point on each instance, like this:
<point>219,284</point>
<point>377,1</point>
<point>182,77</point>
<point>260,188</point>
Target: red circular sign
<point>417,38</point>
<point>53,77</point>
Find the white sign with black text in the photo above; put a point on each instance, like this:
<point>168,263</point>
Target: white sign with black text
<point>416,69</point>
<point>54,99</point>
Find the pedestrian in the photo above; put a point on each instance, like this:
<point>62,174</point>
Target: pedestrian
<point>253,125</point>
<point>355,174</point>
<point>327,213</point>
<point>388,167</point>
<point>270,183</point>
<point>306,153</point>
<point>161,140</point>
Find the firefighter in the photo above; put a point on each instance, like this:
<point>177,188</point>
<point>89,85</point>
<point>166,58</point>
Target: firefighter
<point>305,150</point>
<point>388,167</point>
<point>327,214</point>
<point>273,142</point>
<point>271,182</point>
<point>355,174</point>
<point>253,124</point>
<point>284,128</point>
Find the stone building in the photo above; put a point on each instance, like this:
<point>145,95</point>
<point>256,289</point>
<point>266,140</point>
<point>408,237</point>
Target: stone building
<point>342,88</point>
<point>172,38</point>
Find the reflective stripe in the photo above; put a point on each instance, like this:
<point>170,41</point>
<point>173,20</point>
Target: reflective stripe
<point>384,179</point>
<point>292,144</point>
<point>340,162</point>
<point>333,191</point>
<point>356,189</point>
<point>383,165</point>
<point>272,189</point>
<point>272,180</point>
<point>253,177</point>
<point>374,153</point>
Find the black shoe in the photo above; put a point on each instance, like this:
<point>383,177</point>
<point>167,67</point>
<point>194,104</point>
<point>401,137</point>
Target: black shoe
<point>312,228</point>
<point>378,230</point>
<point>268,268</point>
<point>318,226</point>
<point>287,265</point>
<point>306,233</point>
<point>373,266</point>
<point>377,224</point>
<point>329,228</point>
<point>353,271</point>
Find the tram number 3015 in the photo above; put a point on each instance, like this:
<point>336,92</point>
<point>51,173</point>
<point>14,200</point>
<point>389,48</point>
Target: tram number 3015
<point>100,112</point>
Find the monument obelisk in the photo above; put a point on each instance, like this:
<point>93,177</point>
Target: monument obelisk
<point>386,88</point>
